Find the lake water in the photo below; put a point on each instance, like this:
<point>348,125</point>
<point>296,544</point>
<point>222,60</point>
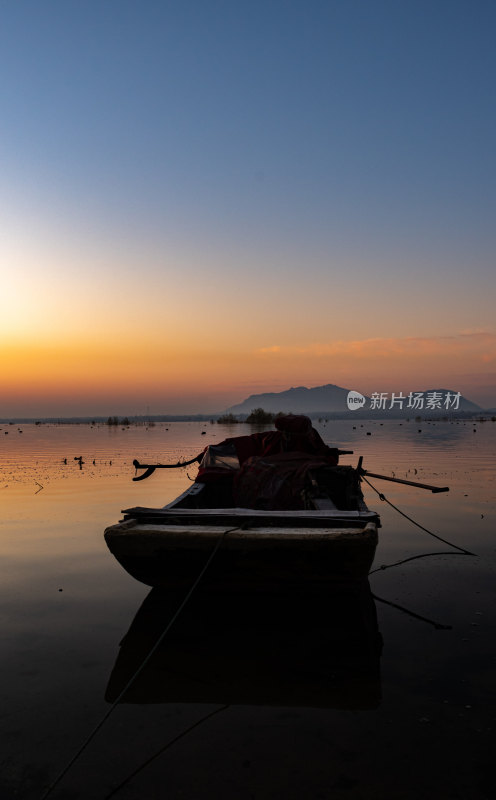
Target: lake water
<point>286,701</point>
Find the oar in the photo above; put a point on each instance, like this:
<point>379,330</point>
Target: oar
<point>434,489</point>
<point>150,468</point>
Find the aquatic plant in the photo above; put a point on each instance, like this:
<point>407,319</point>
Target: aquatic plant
<point>260,417</point>
<point>227,419</point>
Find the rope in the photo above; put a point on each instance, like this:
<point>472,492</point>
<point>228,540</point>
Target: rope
<point>437,625</point>
<point>163,749</point>
<point>435,535</point>
<point>412,558</point>
<point>462,552</point>
<point>144,663</point>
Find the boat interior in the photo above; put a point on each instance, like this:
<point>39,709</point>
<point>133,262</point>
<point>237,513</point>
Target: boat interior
<point>297,482</point>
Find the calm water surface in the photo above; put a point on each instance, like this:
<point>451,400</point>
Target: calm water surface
<point>296,702</point>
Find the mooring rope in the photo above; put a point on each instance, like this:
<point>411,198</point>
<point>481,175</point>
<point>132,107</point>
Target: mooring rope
<point>437,625</point>
<point>163,749</point>
<point>462,550</point>
<point>144,663</point>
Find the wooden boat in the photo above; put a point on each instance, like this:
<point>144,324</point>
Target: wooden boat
<point>281,510</point>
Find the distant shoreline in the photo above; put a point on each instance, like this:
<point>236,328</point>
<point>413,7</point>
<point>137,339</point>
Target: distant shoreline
<point>322,416</point>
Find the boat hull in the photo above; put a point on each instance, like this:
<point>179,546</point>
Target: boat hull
<point>299,553</point>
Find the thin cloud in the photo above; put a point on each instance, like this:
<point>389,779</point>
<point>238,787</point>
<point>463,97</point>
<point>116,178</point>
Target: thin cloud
<point>275,348</point>
<point>478,344</point>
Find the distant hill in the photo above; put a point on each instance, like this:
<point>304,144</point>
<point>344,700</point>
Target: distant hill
<point>298,400</point>
<point>332,399</point>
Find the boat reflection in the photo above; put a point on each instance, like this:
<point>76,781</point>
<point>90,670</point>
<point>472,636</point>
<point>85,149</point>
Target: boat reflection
<point>320,651</point>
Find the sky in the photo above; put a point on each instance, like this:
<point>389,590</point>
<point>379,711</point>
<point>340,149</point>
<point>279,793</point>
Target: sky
<point>206,199</point>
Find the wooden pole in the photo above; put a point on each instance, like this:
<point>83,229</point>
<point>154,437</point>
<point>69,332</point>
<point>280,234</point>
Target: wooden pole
<point>434,489</point>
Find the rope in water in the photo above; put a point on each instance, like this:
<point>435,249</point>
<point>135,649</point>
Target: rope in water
<point>462,550</point>
<point>164,748</point>
<point>144,663</point>
<point>437,625</point>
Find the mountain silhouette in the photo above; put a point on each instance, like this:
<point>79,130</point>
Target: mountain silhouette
<point>332,399</point>
<point>297,400</point>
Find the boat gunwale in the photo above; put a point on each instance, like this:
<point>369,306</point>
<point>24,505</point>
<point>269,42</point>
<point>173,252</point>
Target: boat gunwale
<point>170,512</point>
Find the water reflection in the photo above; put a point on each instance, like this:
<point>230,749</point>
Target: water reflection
<point>438,434</point>
<point>317,651</point>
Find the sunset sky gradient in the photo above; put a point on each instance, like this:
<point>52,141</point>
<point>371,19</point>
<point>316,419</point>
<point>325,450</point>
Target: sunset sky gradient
<point>204,200</point>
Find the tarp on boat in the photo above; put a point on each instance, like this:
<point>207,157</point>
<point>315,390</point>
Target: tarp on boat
<point>270,469</point>
<point>277,481</point>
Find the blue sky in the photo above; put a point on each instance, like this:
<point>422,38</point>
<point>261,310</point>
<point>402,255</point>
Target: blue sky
<point>249,157</point>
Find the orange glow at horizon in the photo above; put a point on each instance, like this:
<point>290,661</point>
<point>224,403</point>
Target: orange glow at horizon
<point>92,372</point>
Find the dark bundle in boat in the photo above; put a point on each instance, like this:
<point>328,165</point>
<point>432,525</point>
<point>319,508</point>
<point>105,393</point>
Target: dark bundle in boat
<point>283,470</point>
